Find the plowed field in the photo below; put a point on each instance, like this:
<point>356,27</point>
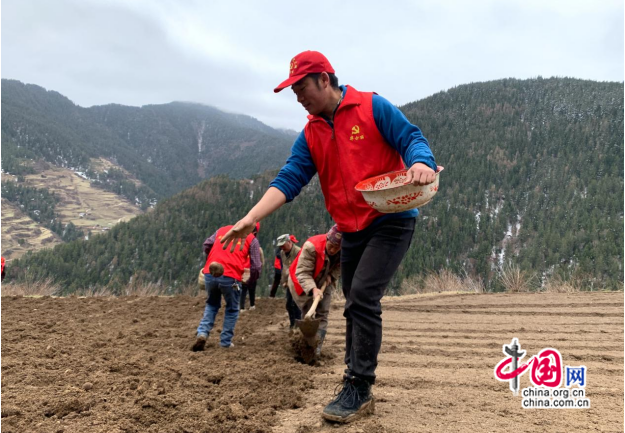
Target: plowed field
<point>124,365</point>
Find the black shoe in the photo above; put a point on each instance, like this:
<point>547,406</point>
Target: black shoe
<point>352,402</point>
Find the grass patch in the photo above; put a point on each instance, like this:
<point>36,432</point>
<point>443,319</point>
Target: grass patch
<point>442,281</point>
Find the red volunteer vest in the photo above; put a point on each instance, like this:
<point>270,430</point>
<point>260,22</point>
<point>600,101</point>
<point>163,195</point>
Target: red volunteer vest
<point>353,152</point>
<point>233,263</point>
<point>277,264</point>
<point>319,242</point>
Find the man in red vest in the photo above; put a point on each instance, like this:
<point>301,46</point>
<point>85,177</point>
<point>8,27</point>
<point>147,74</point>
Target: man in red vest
<point>277,274</point>
<point>288,252</point>
<point>222,276</point>
<point>318,262</point>
<point>249,285</point>
<point>350,136</point>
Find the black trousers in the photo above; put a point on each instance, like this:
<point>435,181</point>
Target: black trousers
<point>276,282</point>
<point>291,307</point>
<point>369,259</point>
<point>251,287</point>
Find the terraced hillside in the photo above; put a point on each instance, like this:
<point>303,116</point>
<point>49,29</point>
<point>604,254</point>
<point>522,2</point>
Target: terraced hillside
<point>88,208</point>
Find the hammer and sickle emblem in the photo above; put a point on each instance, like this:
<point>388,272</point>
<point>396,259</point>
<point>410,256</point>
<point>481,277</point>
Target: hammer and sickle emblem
<point>293,65</point>
<point>356,129</point>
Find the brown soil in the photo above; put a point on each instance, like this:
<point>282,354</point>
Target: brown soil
<point>303,350</point>
<point>125,365</point>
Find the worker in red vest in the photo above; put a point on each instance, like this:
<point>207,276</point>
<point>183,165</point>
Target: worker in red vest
<point>288,252</point>
<point>249,285</point>
<point>277,274</point>
<point>222,276</point>
<point>350,136</point>
<point>317,263</point>
<point>2,269</point>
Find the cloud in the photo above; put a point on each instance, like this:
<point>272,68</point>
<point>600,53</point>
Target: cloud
<point>232,54</point>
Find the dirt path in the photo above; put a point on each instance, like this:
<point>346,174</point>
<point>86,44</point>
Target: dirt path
<point>124,365</point>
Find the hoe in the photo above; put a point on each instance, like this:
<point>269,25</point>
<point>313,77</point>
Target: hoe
<point>308,325</point>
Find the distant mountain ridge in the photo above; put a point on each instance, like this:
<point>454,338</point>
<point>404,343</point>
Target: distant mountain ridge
<point>533,177</point>
<point>166,147</point>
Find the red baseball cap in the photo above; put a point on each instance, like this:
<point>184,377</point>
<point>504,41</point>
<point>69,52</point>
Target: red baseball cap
<point>308,62</point>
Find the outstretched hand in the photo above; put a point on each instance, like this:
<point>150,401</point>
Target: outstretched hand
<point>240,230</point>
<point>420,174</point>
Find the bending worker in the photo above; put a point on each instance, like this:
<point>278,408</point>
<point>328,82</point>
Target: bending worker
<point>318,263</point>
<point>222,276</point>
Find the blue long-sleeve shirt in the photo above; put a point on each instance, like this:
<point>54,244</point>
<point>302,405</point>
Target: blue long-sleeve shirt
<point>398,132</point>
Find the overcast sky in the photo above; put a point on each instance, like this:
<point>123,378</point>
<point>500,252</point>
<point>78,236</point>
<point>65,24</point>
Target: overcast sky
<point>232,53</point>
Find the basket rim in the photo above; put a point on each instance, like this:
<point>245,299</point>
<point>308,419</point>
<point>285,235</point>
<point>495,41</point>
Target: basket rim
<point>360,185</point>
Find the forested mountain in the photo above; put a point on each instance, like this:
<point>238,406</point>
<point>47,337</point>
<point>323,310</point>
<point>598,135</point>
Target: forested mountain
<point>166,147</point>
<point>165,245</point>
<point>533,176</point>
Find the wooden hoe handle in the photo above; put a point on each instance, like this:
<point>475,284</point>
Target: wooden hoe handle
<point>313,307</point>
